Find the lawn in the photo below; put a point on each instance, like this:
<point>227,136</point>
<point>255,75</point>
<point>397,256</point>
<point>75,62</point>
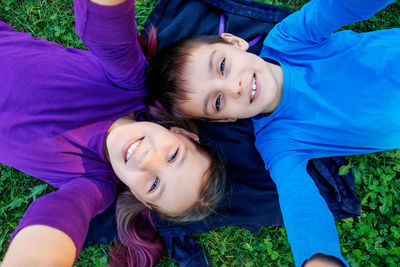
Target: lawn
<point>370,240</point>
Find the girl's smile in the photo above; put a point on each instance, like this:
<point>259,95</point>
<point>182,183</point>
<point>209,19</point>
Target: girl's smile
<point>130,148</point>
<point>161,167</point>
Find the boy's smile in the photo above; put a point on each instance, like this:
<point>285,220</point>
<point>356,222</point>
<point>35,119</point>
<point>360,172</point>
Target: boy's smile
<point>254,92</point>
<point>224,82</point>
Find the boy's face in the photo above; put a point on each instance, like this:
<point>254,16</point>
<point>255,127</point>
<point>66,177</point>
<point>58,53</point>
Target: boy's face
<point>224,82</point>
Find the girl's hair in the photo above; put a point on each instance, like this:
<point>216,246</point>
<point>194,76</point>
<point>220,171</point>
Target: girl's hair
<point>149,47</point>
<point>142,245</point>
<point>166,79</point>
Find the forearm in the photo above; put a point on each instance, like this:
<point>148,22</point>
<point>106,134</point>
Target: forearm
<point>318,19</point>
<point>108,29</point>
<point>69,209</point>
<point>308,221</point>
<point>42,246</point>
<point>310,226</point>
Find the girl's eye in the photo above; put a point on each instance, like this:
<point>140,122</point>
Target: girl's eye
<point>154,186</point>
<point>218,103</point>
<point>172,159</point>
<point>222,66</point>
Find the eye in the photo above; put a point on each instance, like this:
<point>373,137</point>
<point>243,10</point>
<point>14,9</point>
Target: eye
<point>154,186</point>
<point>218,103</point>
<point>222,66</point>
<point>172,159</point>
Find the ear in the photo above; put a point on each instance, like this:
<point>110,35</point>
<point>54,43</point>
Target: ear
<point>185,133</point>
<point>224,120</point>
<point>235,40</point>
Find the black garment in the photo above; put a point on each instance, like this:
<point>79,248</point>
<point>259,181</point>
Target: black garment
<point>253,199</point>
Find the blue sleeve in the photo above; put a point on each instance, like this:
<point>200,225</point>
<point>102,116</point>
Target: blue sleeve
<point>110,34</point>
<point>70,208</point>
<point>318,19</point>
<point>309,223</point>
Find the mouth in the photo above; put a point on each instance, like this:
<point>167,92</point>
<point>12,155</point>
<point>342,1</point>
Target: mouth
<point>253,88</point>
<point>131,147</point>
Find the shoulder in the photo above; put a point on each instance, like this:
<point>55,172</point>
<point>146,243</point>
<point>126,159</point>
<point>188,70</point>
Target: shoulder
<point>275,149</point>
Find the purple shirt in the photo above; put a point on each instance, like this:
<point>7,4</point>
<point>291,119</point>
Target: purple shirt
<point>56,106</point>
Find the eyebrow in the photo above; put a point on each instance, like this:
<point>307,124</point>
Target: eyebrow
<point>210,63</point>
<point>210,69</point>
<point>205,105</point>
<point>163,186</point>
<point>160,193</point>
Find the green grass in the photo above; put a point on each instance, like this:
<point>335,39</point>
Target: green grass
<point>370,240</point>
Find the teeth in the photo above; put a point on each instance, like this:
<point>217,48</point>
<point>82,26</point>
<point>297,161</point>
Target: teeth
<point>253,92</point>
<point>132,148</point>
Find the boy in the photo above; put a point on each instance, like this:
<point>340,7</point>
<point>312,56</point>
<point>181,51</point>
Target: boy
<point>311,94</point>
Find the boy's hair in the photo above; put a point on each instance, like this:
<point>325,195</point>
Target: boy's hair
<point>142,245</point>
<point>166,79</point>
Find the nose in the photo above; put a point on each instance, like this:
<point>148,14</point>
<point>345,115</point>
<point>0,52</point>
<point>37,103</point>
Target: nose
<point>234,87</point>
<point>151,160</point>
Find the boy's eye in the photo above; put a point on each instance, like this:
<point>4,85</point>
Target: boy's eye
<point>154,186</point>
<point>173,158</point>
<point>218,103</point>
<point>222,66</point>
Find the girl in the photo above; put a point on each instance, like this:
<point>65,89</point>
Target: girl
<point>67,117</point>
<point>311,94</point>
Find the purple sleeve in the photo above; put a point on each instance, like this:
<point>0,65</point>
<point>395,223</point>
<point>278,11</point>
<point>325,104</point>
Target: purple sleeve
<point>70,208</point>
<point>110,33</point>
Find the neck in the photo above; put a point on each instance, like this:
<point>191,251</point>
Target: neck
<point>279,81</point>
<point>121,121</point>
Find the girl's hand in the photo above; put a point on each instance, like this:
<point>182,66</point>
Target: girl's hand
<point>108,2</point>
<point>40,246</point>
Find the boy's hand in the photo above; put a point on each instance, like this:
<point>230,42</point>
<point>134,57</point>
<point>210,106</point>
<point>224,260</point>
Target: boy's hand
<point>320,260</point>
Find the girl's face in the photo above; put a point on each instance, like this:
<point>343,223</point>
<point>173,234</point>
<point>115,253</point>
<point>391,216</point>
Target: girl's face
<point>160,166</point>
<point>225,82</point>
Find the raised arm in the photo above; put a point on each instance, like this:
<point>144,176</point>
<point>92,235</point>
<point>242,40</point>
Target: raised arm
<point>54,227</point>
<point>318,19</point>
<point>308,221</point>
<point>108,29</point>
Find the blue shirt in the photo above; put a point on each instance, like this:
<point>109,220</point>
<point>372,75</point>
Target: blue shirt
<point>341,96</point>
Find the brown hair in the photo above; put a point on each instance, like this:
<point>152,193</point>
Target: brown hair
<point>165,78</point>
